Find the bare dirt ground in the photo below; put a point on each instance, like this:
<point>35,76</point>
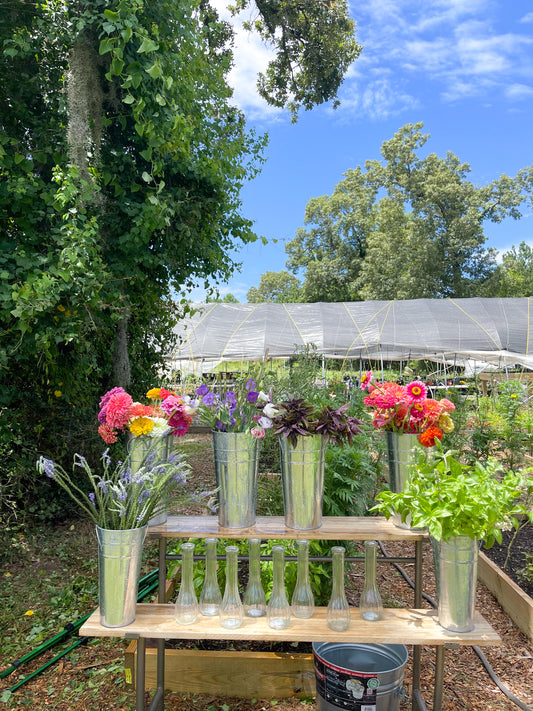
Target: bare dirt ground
<point>467,685</point>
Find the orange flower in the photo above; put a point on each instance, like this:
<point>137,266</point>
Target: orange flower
<point>427,438</point>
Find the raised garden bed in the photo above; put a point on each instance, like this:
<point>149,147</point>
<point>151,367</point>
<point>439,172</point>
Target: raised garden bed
<point>513,592</point>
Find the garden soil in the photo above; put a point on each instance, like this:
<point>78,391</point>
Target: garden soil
<point>467,685</point>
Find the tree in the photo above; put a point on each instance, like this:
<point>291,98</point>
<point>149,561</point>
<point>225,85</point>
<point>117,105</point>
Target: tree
<point>514,276</point>
<point>121,165</point>
<point>315,46</point>
<point>405,227</point>
<point>277,287</point>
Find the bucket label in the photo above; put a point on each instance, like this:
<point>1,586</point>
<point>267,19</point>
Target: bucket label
<point>356,691</point>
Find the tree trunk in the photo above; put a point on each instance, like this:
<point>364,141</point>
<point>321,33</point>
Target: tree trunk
<point>121,360</point>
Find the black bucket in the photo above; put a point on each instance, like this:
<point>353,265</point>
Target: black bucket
<point>359,677</point>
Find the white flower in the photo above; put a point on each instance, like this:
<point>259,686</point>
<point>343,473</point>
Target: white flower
<point>270,410</point>
<point>263,397</point>
<point>265,422</point>
<point>160,427</point>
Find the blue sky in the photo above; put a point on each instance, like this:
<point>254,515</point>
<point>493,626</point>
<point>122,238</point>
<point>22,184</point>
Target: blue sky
<point>463,67</point>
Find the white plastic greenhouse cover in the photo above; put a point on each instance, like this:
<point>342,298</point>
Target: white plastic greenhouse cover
<point>495,331</point>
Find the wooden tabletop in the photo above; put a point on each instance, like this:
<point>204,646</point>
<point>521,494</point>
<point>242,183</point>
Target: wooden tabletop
<point>398,626</point>
<point>349,528</point>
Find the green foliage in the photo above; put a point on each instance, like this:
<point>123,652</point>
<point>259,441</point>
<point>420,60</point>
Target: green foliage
<point>454,499</point>
<point>277,287</point>
<point>502,426</point>
<point>405,227</point>
<point>315,45</point>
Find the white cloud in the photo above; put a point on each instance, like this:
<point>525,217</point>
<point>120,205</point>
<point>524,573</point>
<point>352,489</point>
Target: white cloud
<point>527,18</point>
<point>519,91</point>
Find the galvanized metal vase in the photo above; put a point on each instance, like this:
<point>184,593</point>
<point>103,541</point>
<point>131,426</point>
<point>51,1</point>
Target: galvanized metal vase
<point>400,457</point>
<point>139,448</point>
<point>119,561</point>
<point>236,466</point>
<point>302,474</point>
<point>456,577</point>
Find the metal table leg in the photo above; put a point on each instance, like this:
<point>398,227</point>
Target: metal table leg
<point>439,678</point>
<point>140,676</point>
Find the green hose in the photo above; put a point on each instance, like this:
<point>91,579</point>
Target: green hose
<point>147,584</point>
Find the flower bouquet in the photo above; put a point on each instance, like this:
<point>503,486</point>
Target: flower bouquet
<point>120,503</point>
<point>407,409</point>
<point>120,499</point>
<point>168,413</point>
<point>242,408</point>
<point>238,421</point>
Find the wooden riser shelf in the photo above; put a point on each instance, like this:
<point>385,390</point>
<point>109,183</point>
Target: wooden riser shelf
<point>341,528</point>
<point>398,626</point>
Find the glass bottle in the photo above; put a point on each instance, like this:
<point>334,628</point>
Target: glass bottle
<point>231,609</point>
<point>338,612</point>
<point>303,602</point>
<point>210,597</point>
<point>254,596</point>
<point>370,605</point>
<point>186,608</point>
<point>278,610</point>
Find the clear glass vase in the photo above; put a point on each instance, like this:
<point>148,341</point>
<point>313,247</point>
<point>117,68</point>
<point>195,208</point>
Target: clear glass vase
<point>278,609</point>
<point>231,607</point>
<point>370,605</point>
<point>338,612</point>
<point>186,608</point>
<point>210,597</point>
<point>254,599</point>
<point>303,601</point>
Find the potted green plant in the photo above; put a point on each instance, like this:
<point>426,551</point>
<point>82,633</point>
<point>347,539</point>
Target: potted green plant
<point>304,430</point>
<point>460,505</point>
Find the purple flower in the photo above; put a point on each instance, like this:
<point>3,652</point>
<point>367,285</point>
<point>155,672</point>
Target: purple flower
<point>48,467</point>
<point>92,498</point>
<point>202,390</point>
<point>209,399</point>
<point>231,398</point>
<point>220,426</point>
<point>249,385</point>
<point>144,495</point>
<point>103,485</point>
<point>252,396</point>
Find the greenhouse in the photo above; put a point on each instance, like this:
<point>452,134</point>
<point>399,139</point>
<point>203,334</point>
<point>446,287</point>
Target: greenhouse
<point>476,333</point>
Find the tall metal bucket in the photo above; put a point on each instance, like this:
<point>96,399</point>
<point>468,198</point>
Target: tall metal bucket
<point>139,448</point>
<point>236,467</point>
<point>456,577</point>
<point>400,458</point>
<point>359,676</point>
<point>119,561</point>
<point>302,474</point>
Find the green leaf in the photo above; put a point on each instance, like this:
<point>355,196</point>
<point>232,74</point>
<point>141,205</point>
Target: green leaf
<point>128,99</point>
<point>117,66</point>
<point>148,45</point>
<point>111,15</point>
<point>147,153</point>
<point>146,177</point>
<point>106,45</point>
<point>155,70</point>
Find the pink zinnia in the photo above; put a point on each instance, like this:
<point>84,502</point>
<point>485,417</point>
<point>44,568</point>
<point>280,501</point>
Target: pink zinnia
<point>108,434</point>
<point>104,400</point>
<point>365,380</point>
<point>118,410</point>
<point>171,403</point>
<point>416,390</point>
<point>180,422</point>
<point>447,405</point>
